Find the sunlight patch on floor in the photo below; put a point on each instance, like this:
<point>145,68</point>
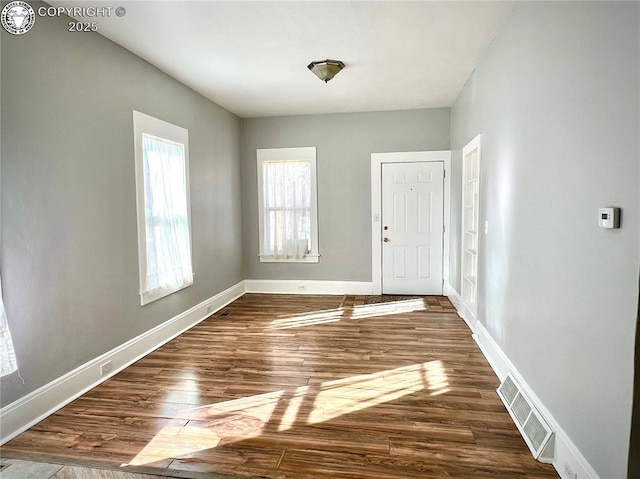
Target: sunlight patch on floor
<point>240,419</point>
<point>307,319</point>
<point>176,441</point>
<point>437,379</point>
<point>292,411</point>
<point>357,312</point>
<point>345,396</point>
<point>384,309</point>
<point>219,424</point>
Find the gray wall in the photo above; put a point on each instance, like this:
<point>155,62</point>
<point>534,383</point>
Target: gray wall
<point>344,145</point>
<point>455,222</point>
<point>556,98</point>
<point>69,244</point>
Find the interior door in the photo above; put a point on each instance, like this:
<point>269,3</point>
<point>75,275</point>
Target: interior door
<point>412,227</point>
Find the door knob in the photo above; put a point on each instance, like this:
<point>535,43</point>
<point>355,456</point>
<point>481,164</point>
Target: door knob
<point>386,240</point>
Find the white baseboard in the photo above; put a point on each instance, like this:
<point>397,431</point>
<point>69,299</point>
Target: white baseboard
<point>20,415</point>
<point>275,286</point>
<point>456,300</point>
<point>566,452</point>
<point>454,297</point>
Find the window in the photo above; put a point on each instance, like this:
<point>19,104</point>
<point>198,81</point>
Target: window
<point>288,217</point>
<point>8,360</point>
<point>162,196</point>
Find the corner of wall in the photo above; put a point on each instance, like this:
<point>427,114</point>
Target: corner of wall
<point>567,456</point>
<point>454,297</point>
<point>27,411</point>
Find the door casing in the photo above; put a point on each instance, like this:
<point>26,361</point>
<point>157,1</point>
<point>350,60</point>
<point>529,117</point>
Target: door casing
<point>377,159</point>
<point>469,283</point>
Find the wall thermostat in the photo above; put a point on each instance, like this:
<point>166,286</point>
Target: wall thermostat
<point>609,217</point>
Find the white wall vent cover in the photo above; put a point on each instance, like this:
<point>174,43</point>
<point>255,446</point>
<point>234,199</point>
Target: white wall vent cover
<point>533,427</point>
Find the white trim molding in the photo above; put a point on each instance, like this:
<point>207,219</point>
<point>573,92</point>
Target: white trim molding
<point>275,286</point>
<point>469,253</point>
<point>566,452</point>
<point>454,297</point>
<point>160,131</point>
<point>278,156</point>
<point>377,159</point>
<point>20,415</point>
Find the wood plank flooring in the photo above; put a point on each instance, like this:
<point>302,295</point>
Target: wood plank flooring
<point>18,469</point>
<point>281,386</point>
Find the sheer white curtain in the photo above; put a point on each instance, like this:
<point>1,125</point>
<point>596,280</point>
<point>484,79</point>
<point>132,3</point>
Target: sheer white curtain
<point>168,265</point>
<point>8,362</point>
<point>287,204</point>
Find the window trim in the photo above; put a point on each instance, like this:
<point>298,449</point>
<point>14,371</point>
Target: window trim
<point>288,154</point>
<point>146,124</point>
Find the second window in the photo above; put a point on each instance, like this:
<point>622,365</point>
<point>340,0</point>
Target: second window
<point>287,197</point>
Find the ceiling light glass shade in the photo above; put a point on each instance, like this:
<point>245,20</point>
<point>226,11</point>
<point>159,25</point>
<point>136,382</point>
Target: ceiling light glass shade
<point>326,69</point>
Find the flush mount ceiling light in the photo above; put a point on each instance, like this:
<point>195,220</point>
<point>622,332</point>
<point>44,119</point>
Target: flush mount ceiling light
<point>326,69</point>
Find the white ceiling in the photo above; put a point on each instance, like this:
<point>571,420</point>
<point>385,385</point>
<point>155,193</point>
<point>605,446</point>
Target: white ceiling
<point>251,57</point>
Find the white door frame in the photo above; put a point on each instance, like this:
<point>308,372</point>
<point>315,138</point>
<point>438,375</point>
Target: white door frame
<point>470,315</point>
<point>377,159</point>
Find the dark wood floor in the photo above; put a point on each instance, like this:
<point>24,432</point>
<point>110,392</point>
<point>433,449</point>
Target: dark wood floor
<point>283,386</point>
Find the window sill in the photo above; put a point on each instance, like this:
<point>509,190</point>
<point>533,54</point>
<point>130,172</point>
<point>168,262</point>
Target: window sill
<point>310,258</point>
<point>149,297</point>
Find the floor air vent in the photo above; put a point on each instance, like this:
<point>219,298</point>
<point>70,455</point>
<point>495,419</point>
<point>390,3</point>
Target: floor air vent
<point>534,429</point>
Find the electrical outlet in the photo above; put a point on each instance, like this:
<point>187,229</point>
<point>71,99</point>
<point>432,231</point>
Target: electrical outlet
<point>568,472</point>
<point>302,287</point>
<point>105,368</point>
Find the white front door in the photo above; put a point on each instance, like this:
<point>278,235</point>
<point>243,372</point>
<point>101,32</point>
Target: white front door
<point>412,227</point>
